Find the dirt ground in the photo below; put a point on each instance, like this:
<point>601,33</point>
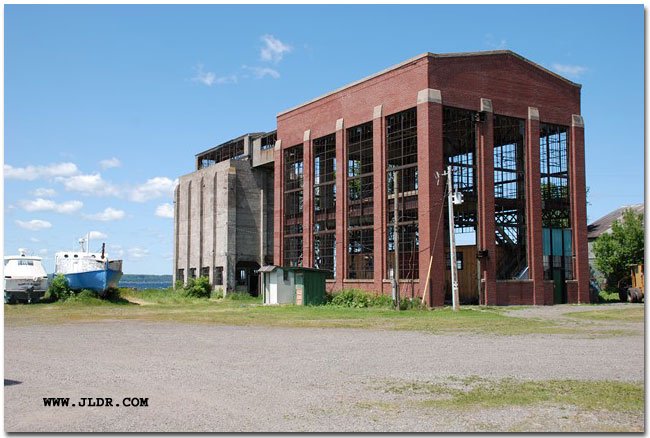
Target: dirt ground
<point>219,378</point>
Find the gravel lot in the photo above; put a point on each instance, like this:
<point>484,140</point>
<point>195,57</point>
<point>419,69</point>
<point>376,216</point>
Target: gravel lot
<point>215,378</point>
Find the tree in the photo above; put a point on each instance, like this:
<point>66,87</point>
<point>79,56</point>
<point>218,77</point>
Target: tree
<point>616,251</point>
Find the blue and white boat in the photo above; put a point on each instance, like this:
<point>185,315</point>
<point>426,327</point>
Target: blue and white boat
<point>88,270</point>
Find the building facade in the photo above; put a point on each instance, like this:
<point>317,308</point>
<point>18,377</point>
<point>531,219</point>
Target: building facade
<point>513,135</point>
<point>223,214</point>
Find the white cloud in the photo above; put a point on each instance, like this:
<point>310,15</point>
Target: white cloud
<point>273,49</point>
<point>34,239</point>
<point>570,70</point>
<point>30,173</point>
<point>111,162</point>
<point>97,235</point>
<point>116,250</point>
<point>153,188</point>
<point>43,251</point>
<point>205,77</point>
<point>138,253</point>
<point>41,204</point>
<point>34,224</point>
<point>109,214</point>
<point>89,184</point>
<point>165,210</point>
<point>260,72</point>
<point>209,78</point>
<point>42,192</point>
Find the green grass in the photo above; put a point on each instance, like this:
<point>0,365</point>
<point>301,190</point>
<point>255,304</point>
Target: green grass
<point>626,314</point>
<point>240,310</point>
<point>475,392</point>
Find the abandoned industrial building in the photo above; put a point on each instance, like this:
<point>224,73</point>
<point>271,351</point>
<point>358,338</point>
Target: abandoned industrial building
<point>321,191</point>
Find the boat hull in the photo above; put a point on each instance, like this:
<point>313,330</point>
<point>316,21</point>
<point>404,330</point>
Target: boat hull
<point>98,281</point>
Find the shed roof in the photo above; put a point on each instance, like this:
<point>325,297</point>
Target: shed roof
<point>600,226</point>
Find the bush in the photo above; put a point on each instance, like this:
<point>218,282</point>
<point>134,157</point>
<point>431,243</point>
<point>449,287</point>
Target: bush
<point>179,284</point>
<point>238,296</point>
<point>198,288</point>
<point>218,293</point>
<point>59,289</point>
<point>360,299</point>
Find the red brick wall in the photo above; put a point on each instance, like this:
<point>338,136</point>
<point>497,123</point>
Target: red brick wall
<point>513,85</point>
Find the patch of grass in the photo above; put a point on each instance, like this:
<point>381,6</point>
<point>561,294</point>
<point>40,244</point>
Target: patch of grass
<point>483,393</point>
<point>633,313</point>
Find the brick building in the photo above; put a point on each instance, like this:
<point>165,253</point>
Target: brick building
<point>512,132</point>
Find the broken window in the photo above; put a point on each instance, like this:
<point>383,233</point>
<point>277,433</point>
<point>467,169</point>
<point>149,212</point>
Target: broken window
<point>556,205</point>
<point>402,158</point>
<point>360,202</point>
<point>293,205</point>
<point>218,276</point>
<point>205,271</point>
<point>325,203</point>
<point>226,151</point>
<point>268,141</point>
<point>510,198</point>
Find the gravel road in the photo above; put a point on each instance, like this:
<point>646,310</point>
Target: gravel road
<point>216,378</point>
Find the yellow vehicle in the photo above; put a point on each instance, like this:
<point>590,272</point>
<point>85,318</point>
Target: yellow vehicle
<point>635,293</point>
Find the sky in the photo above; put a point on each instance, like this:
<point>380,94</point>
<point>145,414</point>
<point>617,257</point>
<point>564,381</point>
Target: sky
<point>106,106</point>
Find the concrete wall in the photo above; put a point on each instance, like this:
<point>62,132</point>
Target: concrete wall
<point>218,220</point>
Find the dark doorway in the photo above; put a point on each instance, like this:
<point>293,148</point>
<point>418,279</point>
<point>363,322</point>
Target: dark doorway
<point>247,279</point>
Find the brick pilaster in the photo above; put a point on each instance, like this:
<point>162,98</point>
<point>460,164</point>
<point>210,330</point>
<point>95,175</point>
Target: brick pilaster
<point>278,199</point>
<point>379,198</point>
<point>534,207</point>
<point>308,201</point>
<point>577,183</point>
<point>341,205</point>
<point>485,167</point>
<point>430,196</point>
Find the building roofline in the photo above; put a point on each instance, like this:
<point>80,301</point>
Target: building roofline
<point>432,55</point>
<point>253,135</point>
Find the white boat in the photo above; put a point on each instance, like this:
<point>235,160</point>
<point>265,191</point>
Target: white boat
<point>88,270</point>
<point>25,278</point>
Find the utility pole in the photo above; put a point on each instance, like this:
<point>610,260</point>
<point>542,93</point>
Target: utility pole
<point>396,237</point>
<point>452,241</point>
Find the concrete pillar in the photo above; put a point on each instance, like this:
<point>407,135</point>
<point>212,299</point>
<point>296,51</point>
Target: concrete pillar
<point>231,251</point>
<point>308,201</point>
<point>278,199</point>
<point>430,196</point>
<point>176,225</point>
<point>534,207</point>
<point>341,204</point>
<point>485,167</point>
<point>577,184</point>
<point>188,213</point>
<point>379,198</point>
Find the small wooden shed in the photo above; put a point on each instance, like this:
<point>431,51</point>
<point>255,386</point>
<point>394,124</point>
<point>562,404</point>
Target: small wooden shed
<point>293,285</point>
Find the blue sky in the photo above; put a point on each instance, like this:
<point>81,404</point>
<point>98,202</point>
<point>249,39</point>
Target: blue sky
<point>105,106</point>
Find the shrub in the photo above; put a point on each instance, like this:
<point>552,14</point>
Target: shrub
<point>179,284</point>
<point>59,289</point>
<point>218,293</point>
<point>198,288</point>
<point>359,299</point>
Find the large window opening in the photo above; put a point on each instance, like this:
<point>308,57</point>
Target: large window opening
<point>325,204</point>
<point>459,143</point>
<point>293,186</point>
<point>510,198</point>
<point>556,206</point>
<point>360,202</point>
<point>226,151</point>
<point>401,160</point>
